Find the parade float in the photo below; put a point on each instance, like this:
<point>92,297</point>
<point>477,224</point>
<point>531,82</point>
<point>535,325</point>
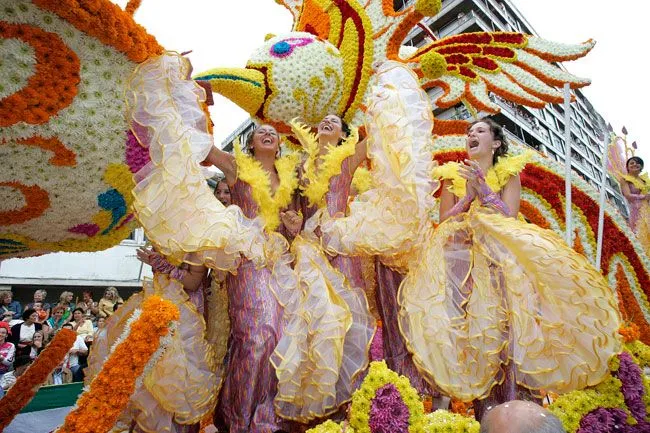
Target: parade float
<point>69,158</point>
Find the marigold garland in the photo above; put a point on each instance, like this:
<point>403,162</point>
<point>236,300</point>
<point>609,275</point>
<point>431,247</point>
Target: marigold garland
<point>642,183</point>
<point>28,383</point>
<point>269,204</point>
<point>100,406</point>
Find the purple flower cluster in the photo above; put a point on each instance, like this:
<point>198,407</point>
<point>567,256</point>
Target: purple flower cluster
<point>377,345</point>
<point>632,386</point>
<point>388,413</point>
<point>604,420</point>
<point>136,155</point>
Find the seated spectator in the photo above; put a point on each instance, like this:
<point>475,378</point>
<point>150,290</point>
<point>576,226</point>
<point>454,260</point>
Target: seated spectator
<point>22,334</point>
<point>59,376</point>
<point>56,321</point>
<point>8,305</point>
<point>71,360</point>
<point>20,365</point>
<point>81,325</point>
<point>107,305</point>
<point>65,301</point>
<point>88,305</point>
<point>38,344</point>
<point>42,314</point>
<point>100,328</point>
<point>519,416</point>
<point>7,349</point>
<point>39,296</point>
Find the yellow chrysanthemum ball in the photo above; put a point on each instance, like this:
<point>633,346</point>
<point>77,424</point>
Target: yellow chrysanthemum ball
<point>433,65</point>
<point>442,421</point>
<point>428,8</point>
<point>328,426</point>
<point>268,36</point>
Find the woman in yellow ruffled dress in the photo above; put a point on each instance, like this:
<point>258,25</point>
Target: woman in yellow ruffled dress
<point>495,309</point>
<point>186,223</point>
<point>636,190</point>
<point>325,347</point>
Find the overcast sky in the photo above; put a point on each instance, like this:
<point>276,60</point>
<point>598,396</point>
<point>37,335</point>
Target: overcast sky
<point>223,33</point>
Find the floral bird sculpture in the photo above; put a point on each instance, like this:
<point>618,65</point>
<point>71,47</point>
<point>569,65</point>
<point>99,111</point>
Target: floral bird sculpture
<point>324,65</point>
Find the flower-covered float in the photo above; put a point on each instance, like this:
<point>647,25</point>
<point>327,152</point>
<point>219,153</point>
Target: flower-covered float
<point>70,158</point>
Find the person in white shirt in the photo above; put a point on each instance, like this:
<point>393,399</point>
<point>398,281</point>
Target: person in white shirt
<point>71,360</point>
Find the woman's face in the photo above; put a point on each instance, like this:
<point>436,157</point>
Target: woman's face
<point>109,294</point>
<point>68,298</point>
<point>3,334</point>
<point>33,317</point>
<point>38,297</point>
<point>331,127</point>
<point>8,298</point>
<point>265,139</point>
<point>633,167</point>
<point>38,336</point>
<point>480,141</point>
<point>78,316</point>
<point>58,314</point>
<point>222,193</point>
<point>38,306</point>
<point>101,322</point>
<point>87,297</point>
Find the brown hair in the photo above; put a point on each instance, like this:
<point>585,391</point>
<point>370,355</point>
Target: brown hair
<point>497,135</point>
<point>249,140</point>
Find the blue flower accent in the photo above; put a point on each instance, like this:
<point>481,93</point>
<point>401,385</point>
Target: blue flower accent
<point>114,202</point>
<point>282,47</point>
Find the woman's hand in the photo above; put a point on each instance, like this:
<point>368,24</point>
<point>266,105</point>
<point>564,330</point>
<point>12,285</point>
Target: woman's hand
<point>475,178</point>
<point>292,220</point>
<point>144,255</point>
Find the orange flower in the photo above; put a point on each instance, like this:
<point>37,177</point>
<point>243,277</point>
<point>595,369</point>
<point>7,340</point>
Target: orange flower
<point>28,383</point>
<point>630,331</point>
<point>108,23</point>
<point>55,61</point>
<point>111,389</point>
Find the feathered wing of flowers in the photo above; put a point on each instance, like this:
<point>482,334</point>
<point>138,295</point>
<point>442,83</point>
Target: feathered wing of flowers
<point>67,164</point>
<point>21,393</point>
<point>324,65</point>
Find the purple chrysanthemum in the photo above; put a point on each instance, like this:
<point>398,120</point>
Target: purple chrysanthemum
<point>136,155</point>
<point>377,346</point>
<point>388,413</point>
<point>632,388</point>
<point>604,420</point>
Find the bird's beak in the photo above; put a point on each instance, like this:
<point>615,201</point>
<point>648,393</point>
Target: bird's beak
<point>244,87</point>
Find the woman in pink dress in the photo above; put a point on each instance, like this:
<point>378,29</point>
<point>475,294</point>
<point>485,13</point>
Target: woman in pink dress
<point>246,401</point>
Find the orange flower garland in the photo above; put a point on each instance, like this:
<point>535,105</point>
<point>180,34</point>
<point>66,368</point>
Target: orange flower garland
<point>99,408</point>
<point>53,85</point>
<point>108,23</point>
<point>26,386</point>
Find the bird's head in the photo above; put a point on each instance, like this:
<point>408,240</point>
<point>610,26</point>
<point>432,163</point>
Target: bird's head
<point>291,75</point>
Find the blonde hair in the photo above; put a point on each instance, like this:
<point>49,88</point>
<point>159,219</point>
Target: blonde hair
<point>112,290</point>
<point>42,292</point>
<point>63,296</point>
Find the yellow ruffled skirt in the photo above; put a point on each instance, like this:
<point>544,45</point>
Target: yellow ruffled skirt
<point>325,344</point>
<point>488,290</point>
<point>181,386</point>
